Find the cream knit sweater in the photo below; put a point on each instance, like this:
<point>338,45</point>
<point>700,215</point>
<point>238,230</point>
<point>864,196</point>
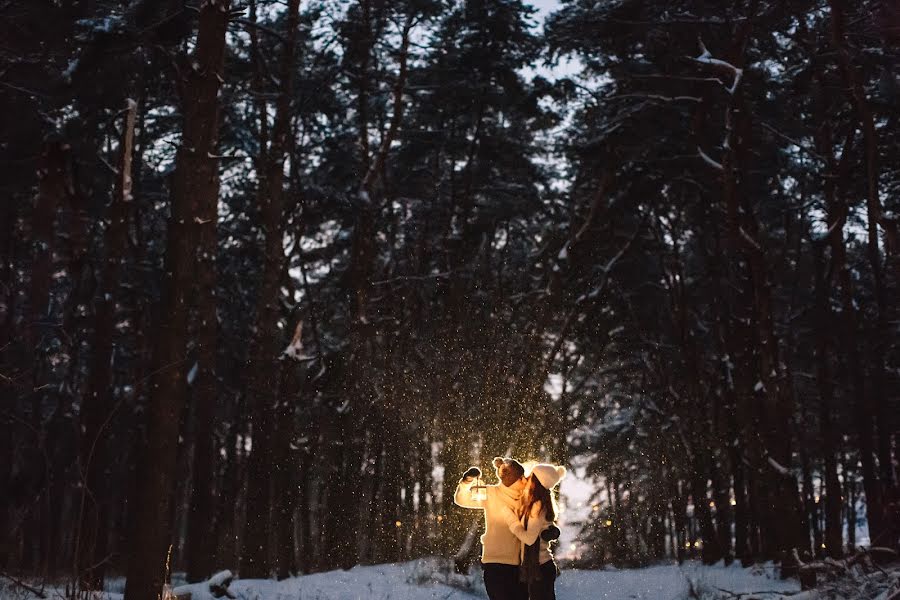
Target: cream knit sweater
<point>499,544</point>
<point>537,522</point>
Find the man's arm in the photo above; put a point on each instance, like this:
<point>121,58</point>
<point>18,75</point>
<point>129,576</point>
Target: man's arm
<point>463,494</point>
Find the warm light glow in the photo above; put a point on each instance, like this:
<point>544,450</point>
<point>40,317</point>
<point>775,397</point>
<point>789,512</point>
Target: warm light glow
<point>478,493</point>
<point>733,502</point>
<point>440,518</point>
<point>608,522</point>
<point>817,499</point>
<point>687,544</point>
<point>398,523</point>
<point>697,544</point>
<point>595,507</point>
<point>712,504</point>
<point>823,545</point>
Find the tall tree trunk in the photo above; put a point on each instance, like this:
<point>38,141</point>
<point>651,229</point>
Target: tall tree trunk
<point>55,187</point>
<point>724,514</point>
<point>778,490</point>
<point>811,510</point>
<point>359,278</point>
<point>225,524</point>
<point>264,366</point>
<point>9,233</point>
<point>833,535</point>
<point>201,543</point>
<point>850,489</point>
<point>709,551</point>
<point>287,477</point>
<point>196,175</point>
<point>97,405</point>
<point>304,510</point>
<point>874,404</point>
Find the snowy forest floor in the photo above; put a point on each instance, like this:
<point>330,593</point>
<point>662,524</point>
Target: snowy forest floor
<point>425,579</point>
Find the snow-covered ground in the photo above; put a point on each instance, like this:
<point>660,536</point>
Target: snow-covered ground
<point>423,580</point>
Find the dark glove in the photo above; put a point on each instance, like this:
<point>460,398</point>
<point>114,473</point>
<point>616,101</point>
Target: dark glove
<point>551,533</point>
<point>472,473</point>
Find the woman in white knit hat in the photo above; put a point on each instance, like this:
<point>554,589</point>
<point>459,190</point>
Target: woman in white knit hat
<point>537,511</point>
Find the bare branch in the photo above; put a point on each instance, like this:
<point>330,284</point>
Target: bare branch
<point>23,585</point>
<point>799,144</point>
<point>388,139</point>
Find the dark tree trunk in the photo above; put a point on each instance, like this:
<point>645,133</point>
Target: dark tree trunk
<point>201,543</point>
<point>875,403</point>
<point>832,502</point>
<point>305,513</point>
<point>710,549</point>
<point>225,524</point>
<point>724,516</point>
<point>777,489</point>
<point>97,405</point>
<point>837,216</point>
<point>264,366</point>
<point>811,511</point>
<point>196,174</point>
<point>850,490</point>
<point>286,475</point>
<point>376,502</point>
<point>679,516</point>
<point>731,405</point>
<point>55,186</point>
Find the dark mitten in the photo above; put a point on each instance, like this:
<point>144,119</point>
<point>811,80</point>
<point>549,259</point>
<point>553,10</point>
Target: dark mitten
<point>472,473</point>
<point>551,533</point>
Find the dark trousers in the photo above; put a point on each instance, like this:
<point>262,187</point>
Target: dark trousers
<point>502,582</point>
<point>545,587</point>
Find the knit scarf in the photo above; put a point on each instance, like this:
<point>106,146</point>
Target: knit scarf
<point>530,569</point>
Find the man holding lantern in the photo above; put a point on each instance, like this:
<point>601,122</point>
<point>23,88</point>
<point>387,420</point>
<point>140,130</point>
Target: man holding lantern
<point>501,549</point>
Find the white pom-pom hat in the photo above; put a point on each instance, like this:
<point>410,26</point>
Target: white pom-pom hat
<point>548,475</point>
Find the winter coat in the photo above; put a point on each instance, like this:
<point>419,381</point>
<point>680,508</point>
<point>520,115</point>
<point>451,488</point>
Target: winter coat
<point>499,544</point>
<point>528,532</point>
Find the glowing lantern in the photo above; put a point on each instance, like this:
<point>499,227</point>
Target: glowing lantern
<point>478,491</point>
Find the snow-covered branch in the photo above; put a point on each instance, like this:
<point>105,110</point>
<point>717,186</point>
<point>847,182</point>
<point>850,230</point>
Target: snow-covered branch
<point>659,97</point>
<point>709,160</point>
<point>706,58</point>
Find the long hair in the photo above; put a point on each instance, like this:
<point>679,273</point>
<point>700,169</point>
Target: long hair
<point>538,493</point>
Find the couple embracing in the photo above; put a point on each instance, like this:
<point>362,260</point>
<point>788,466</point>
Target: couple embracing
<point>518,515</point>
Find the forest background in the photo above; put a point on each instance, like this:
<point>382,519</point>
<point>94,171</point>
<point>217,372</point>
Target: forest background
<point>274,273</point>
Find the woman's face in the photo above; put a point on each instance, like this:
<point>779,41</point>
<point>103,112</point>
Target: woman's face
<point>529,485</point>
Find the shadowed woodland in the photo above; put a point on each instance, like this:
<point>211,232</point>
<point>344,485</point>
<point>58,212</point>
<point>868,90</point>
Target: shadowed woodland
<point>275,273</point>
